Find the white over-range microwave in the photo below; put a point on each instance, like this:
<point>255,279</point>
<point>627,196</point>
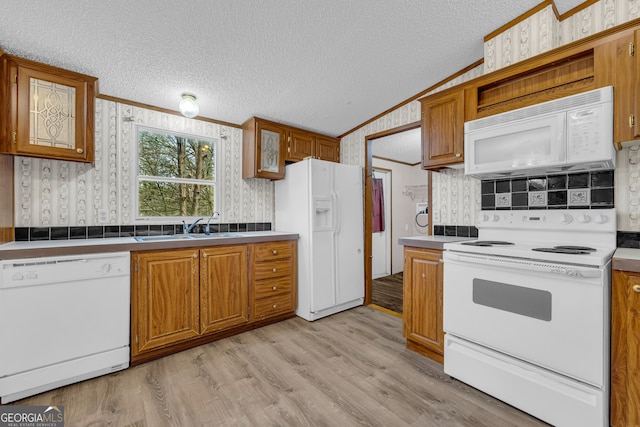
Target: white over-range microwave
<point>568,134</point>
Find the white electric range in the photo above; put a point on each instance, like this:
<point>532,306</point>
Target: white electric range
<point>526,311</point>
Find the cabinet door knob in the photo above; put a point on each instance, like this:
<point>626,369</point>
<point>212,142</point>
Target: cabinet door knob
<point>424,275</point>
<point>196,255</point>
<point>636,288</point>
<point>259,170</point>
<point>274,269</point>
<point>274,306</point>
<point>275,252</point>
<point>274,288</point>
<point>79,150</point>
<point>458,155</point>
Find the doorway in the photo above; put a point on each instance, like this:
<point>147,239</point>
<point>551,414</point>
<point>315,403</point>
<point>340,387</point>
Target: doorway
<point>402,206</point>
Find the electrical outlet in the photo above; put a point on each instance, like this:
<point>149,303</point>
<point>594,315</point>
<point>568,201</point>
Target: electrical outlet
<point>436,216</point>
<point>103,216</point>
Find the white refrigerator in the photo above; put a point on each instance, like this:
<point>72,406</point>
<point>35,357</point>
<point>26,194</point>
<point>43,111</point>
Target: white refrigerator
<point>323,202</point>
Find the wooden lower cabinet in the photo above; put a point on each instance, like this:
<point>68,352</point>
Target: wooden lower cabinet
<point>223,288</point>
<point>165,299</point>
<point>422,306</point>
<point>274,279</point>
<point>625,349</point>
<point>186,297</point>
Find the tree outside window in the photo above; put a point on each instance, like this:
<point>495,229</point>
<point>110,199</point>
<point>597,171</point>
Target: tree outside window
<point>176,175</point>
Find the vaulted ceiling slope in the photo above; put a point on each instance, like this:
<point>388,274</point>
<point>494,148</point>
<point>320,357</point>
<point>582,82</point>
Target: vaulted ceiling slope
<point>326,66</point>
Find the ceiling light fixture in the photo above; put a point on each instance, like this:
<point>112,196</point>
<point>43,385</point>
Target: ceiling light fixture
<point>188,106</point>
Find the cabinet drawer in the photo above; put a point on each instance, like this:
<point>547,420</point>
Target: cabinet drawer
<point>269,251</point>
<point>266,270</point>
<point>269,287</point>
<point>274,305</point>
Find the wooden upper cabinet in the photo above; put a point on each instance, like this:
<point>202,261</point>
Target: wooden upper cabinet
<point>614,66</point>
<point>48,111</point>
<point>263,149</point>
<point>266,146</point>
<point>224,300</point>
<point>328,149</point>
<point>443,129</point>
<point>634,92</point>
<point>300,145</point>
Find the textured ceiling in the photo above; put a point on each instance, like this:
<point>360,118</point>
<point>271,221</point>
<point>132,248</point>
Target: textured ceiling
<point>405,147</point>
<point>326,66</point>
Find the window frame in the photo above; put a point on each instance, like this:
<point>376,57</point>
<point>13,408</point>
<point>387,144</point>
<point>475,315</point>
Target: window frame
<point>135,188</point>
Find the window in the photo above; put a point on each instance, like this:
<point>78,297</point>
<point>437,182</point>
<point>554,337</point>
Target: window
<point>176,174</point>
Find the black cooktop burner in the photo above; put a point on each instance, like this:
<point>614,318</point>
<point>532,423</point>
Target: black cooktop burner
<point>577,248</point>
<point>572,250</point>
<point>487,243</point>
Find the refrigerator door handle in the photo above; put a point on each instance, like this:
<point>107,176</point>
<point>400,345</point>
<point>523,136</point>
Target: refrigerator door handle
<point>336,213</point>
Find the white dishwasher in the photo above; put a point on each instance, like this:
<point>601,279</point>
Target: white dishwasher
<point>62,320</point>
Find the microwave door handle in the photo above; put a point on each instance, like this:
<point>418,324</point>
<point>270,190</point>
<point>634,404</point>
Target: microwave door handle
<point>562,137</point>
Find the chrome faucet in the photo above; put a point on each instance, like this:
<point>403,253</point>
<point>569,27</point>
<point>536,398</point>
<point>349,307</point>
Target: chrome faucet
<point>187,229</point>
<point>207,230</point>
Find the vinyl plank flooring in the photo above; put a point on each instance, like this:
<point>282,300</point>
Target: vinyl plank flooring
<point>386,292</point>
<point>349,369</point>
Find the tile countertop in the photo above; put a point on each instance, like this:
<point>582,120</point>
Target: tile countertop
<point>626,259</point>
<point>44,248</point>
<point>431,242</point>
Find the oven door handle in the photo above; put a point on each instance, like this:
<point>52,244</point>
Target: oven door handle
<point>575,272</point>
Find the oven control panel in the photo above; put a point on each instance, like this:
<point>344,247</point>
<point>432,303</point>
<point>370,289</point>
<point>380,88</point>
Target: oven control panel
<point>562,219</point>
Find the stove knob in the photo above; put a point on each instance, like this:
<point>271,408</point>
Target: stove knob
<point>496,218</point>
<point>484,218</point>
<point>600,219</point>
<point>566,219</point>
<point>584,219</point>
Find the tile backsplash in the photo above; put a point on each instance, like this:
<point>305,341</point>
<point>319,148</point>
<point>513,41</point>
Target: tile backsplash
<point>455,230</point>
<point>580,190</point>
<point>24,234</point>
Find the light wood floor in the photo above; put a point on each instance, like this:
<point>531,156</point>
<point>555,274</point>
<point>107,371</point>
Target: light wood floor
<point>350,369</point>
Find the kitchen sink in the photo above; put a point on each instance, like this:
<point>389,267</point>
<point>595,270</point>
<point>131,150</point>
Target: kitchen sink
<point>172,237</point>
<point>215,235</point>
<point>164,238</point>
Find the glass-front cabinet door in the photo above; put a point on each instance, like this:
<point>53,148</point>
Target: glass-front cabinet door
<point>263,149</point>
<point>269,152</point>
<point>51,111</point>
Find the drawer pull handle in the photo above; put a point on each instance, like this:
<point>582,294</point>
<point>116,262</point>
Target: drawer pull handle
<point>274,288</point>
<point>274,269</point>
<point>636,288</point>
<point>275,252</point>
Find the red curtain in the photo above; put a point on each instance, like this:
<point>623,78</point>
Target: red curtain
<point>378,206</point>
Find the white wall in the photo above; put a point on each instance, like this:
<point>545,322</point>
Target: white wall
<point>61,193</point>
<point>404,197</point>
